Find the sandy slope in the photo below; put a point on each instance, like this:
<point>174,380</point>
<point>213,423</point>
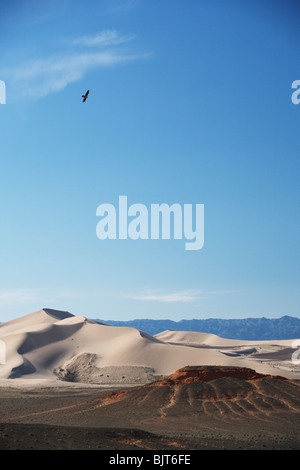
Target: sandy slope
<point>85,350</point>
<point>206,339</point>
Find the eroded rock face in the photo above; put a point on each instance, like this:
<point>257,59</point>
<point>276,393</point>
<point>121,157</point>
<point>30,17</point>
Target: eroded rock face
<point>208,391</point>
<point>209,373</point>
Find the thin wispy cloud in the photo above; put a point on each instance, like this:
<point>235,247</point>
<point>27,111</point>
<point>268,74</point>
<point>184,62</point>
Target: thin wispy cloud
<point>41,76</point>
<point>179,296</point>
<point>18,297</point>
<point>104,38</point>
<point>25,296</point>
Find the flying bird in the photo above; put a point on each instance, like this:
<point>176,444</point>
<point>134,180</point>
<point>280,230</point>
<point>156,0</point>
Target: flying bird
<point>85,96</point>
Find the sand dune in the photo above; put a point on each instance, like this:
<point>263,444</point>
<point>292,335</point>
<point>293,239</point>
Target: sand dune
<point>52,344</point>
<point>194,338</point>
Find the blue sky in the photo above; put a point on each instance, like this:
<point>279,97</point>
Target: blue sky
<point>190,102</point>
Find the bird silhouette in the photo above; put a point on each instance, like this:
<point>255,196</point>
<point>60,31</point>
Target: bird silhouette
<point>85,96</point>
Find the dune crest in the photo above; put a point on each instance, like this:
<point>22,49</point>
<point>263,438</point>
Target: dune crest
<point>54,344</point>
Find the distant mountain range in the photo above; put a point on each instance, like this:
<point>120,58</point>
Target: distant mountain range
<point>286,327</point>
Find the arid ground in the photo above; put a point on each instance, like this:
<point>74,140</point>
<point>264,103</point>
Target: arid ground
<point>68,382</point>
<point>182,412</point>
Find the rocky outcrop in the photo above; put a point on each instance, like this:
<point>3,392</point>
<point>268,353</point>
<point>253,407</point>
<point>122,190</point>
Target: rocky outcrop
<point>208,391</point>
<point>208,373</point>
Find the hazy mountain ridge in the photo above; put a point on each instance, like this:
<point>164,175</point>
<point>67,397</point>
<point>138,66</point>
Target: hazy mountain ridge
<point>286,327</point>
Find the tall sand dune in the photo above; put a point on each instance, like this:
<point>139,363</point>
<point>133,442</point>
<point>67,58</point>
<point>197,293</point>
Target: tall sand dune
<point>53,344</point>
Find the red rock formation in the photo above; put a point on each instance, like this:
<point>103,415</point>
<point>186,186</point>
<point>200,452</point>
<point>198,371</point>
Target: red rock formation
<point>209,373</point>
<point>153,395</point>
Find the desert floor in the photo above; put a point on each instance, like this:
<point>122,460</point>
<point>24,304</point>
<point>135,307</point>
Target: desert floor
<point>40,419</point>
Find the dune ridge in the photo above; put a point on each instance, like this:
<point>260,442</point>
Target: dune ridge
<point>57,345</point>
